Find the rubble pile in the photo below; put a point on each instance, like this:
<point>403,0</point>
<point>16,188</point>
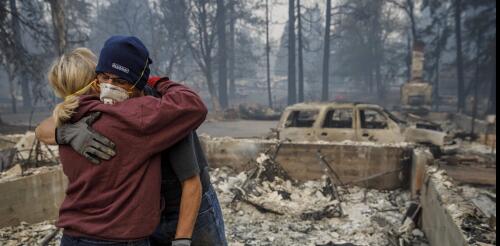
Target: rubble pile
<point>17,172</point>
<point>44,233</point>
<point>22,155</point>
<point>284,212</point>
<point>294,214</point>
<point>258,112</point>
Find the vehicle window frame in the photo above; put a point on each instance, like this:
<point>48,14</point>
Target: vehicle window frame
<point>326,118</point>
<point>294,111</point>
<point>361,111</point>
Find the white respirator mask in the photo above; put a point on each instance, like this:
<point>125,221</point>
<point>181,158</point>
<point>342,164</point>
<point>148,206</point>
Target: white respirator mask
<point>111,94</point>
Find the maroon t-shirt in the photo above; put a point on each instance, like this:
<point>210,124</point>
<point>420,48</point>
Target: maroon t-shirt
<point>120,199</point>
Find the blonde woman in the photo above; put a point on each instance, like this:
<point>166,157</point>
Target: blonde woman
<point>118,201</point>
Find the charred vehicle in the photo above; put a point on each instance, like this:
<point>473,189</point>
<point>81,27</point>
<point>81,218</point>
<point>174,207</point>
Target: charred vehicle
<point>339,122</point>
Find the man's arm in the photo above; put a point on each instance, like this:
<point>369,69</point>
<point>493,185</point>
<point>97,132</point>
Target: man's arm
<point>46,131</point>
<point>190,206</point>
<point>166,121</point>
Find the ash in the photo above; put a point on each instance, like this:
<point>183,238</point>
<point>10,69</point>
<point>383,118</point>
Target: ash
<point>295,214</point>
<point>285,212</point>
<point>26,234</point>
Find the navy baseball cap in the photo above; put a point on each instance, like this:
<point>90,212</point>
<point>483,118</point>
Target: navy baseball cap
<point>126,57</point>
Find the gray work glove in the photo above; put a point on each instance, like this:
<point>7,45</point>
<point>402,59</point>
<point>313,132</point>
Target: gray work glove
<point>84,140</point>
<point>181,242</point>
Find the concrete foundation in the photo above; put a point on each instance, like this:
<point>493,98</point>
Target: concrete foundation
<point>386,166</point>
<point>32,199</point>
<point>440,215</point>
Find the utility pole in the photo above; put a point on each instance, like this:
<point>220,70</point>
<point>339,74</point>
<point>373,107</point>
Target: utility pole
<point>268,57</point>
<point>301,54</point>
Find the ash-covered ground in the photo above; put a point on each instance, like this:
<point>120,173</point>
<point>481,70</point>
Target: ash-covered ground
<point>26,234</point>
<point>309,215</point>
<point>369,215</point>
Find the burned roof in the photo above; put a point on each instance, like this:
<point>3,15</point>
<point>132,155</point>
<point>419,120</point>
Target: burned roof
<point>332,104</point>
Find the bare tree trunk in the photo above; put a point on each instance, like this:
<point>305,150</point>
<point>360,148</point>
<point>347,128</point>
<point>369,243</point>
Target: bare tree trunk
<point>408,59</point>
<point>460,61</point>
<point>439,52</point>
<point>326,53</point>
<point>378,49</point>
<point>292,86</point>
<point>222,55</point>
<point>59,23</point>
<point>301,53</point>
<point>25,88</point>
<point>492,109</point>
<point>477,83</point>
<point>212,90</point>
<point>268,58</point>
<point>232,51</point>
<point>411,13</point>
<point>437,84</point>
<point>12,92</point>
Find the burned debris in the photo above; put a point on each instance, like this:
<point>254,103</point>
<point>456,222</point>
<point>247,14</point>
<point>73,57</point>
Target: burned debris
<point>42,234</point>
<point>309,213</point>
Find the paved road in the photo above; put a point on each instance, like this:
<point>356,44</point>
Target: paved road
<point>236,129</point>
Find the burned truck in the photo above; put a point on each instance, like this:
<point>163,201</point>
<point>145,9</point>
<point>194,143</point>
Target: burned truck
<point>338,122</point>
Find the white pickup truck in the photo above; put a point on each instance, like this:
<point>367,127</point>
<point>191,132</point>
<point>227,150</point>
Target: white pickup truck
<point>337,122</point>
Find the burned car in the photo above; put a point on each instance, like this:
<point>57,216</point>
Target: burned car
<point>339,122</point>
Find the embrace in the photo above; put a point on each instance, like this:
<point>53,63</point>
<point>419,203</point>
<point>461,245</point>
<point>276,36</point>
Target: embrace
<point>127,142</point>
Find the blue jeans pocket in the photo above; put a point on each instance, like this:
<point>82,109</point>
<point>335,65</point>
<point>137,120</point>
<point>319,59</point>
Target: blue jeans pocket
<point>207,233</point>
<point>209,227</point>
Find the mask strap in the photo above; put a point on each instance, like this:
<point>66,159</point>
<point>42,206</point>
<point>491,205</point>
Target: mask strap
<point>93,84</point>
<point>142,73</point>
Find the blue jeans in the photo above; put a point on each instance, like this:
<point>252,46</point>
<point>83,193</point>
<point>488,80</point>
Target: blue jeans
<point>78,241</point>
<point>209,229</point>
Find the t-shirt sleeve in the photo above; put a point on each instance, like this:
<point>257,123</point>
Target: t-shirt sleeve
<point>182,157</point>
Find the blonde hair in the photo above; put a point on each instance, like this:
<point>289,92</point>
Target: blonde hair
<point>70,77</point>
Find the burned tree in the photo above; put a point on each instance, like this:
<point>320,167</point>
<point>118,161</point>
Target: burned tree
<point>326,54</point>
<point>174,21</point>
<point>201,41</point>
<point>232,49</point>
<point>268,58</point>
<point>460,58</point>
<point>292,86</point>
<point>222,55</point>
<point>301,53</point>
<point>59,23</point>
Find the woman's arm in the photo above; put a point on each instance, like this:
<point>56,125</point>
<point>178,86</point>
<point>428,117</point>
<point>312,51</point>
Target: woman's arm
<point>80,136</point>
<point>46,131</point>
